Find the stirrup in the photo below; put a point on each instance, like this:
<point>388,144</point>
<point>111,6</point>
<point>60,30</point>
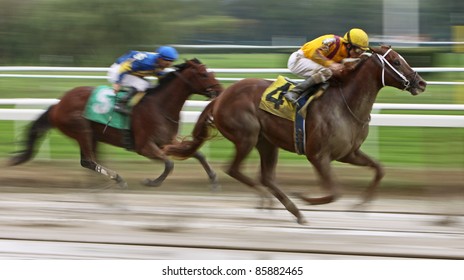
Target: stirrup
<point>291,97</point>
<point>122,109</point>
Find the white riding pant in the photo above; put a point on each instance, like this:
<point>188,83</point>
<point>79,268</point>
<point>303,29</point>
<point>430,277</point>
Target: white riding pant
<point>299,65</point>
<point>128,80</point>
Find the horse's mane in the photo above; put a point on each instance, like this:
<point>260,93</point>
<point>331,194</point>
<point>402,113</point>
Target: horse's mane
<point>358,64</point>
<point>166,79</point>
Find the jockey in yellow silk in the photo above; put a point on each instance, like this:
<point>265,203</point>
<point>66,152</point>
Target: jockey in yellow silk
<point>131,69</point>
<point>317,60</point>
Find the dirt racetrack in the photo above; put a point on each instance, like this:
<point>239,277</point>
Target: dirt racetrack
<point>189,176</point>
<point>61,211</point>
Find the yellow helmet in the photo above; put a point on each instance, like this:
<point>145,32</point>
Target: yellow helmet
<point>357,37</point>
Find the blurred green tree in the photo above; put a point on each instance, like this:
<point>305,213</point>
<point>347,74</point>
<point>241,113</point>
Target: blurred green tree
<point>94,32</point>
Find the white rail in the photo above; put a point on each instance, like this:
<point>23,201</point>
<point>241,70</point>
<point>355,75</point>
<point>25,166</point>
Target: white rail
<point>202,104</point>
<point>189,116</point>
<point>216,70</point>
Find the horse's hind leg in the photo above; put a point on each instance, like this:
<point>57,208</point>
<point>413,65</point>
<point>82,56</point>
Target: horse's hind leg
<point>88,155</point>
<point>79,129</point>
<point>244,140</point>
<point>361,159</point>
<point>168,167</point>
<point>269,154</point>
<point>152,151</point>
<point>211,174</point>
<point>323,168</point>
<point>88,162</point>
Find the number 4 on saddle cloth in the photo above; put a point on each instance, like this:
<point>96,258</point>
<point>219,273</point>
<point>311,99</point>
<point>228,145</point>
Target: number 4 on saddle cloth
<point>274,102</point>
<point>99,108</point>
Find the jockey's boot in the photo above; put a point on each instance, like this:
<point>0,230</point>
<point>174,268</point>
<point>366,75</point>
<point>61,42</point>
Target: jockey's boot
<point>293,94</point>
<point>122,105</point>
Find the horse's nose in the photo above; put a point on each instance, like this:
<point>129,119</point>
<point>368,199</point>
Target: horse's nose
<point>217,89</point>
<point>422,84</point>
<point>419,87</point>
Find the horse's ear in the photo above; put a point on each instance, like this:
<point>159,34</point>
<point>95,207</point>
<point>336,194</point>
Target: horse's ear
<point>181,66</point>
<point>196,60</point>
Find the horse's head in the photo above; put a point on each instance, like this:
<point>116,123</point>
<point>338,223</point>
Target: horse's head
<point>396,72</point>
<point>195,74</point>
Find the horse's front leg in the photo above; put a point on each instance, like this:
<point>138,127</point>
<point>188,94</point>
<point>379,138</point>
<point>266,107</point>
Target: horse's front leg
<point>211,174</point>
<point>361,159</point>
<point>152,151</point>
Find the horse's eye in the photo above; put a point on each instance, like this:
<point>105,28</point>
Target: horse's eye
<point>396,63</point>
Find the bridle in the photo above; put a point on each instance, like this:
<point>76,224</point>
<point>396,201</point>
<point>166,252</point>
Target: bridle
<point>206,91</point>
<point>384,61</point>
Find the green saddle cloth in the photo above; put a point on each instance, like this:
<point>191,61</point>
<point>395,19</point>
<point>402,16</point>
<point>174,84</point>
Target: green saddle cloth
<point>99,108</point>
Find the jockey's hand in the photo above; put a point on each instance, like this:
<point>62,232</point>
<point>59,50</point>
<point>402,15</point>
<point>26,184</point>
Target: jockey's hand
<point>336,67</point>
<point>350,63</point>
<point>116,88</point>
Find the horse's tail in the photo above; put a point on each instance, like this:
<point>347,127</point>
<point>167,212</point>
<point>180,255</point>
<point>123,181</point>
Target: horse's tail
<point>35,131</point>
<point>200,134</point>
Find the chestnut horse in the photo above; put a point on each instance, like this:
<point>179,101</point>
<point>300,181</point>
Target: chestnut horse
<point>336,124</point>
<point>154,121</point>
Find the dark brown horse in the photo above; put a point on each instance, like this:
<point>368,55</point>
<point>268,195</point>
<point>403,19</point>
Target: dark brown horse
<point>154,121</point>
<point>336,124</point>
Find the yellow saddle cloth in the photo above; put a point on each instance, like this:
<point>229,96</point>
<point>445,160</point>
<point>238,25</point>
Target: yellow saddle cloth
<point>274,102</point>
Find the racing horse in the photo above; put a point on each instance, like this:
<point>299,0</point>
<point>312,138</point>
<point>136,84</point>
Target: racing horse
<point>154,122</point>
<point>337,123</point>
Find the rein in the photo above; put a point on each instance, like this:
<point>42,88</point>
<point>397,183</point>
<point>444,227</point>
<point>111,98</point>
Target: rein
<point>364,123</point>
<point>170,119</point>
<point>384,62</point>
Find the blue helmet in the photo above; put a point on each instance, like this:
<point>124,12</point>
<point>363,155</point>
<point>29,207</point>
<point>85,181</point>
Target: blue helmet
<point>167,53</point>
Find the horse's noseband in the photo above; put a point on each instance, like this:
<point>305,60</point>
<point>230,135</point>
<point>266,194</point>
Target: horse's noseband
<point>384,61</point>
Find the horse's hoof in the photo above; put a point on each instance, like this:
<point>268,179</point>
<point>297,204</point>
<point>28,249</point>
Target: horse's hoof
<point>318,200</point>
<point>152,183</point>
<point>123,185</point>
<point>265,203</point>
<point>302,221</point>
<point>361,206</point>
<point>216,187</point>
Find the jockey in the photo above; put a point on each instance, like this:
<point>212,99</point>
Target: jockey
<point>130,69</point>
<point>318,59</point>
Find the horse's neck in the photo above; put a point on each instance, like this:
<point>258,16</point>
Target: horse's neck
<point>360,90</point>
<point>173,97</point>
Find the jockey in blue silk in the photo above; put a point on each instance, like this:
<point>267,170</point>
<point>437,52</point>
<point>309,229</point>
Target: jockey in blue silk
<point>131,69</point>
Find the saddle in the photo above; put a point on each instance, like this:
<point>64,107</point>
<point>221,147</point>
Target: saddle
<point>274,102</point>
<point>99,108</point>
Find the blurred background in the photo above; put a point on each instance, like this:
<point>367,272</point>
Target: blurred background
<point>76,32</point>
<point>93,33</point>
